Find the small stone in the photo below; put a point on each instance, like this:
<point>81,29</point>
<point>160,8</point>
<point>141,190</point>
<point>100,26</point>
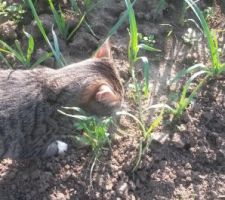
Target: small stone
<point>188,166</point>
<point>122,187</point>
<point>176,140</point>
<point>67,166</point>
<point>188,179</point>
<point>60,196</point>
<point>160,137</point>
<point>133,197</point>
<point>202,177</point>
<point>109,185</point>
<point>182,127</point>
<point>8,30</point>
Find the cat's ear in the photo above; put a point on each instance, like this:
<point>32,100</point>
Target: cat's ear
<point>104,51</point>
<point>105,94</point>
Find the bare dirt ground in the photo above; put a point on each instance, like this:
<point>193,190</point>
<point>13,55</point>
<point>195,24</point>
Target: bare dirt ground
<point>189,164</point>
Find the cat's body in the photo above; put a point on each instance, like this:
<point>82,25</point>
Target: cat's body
<point>30,98</point>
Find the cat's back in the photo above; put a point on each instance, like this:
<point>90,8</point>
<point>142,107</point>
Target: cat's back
<point>18,88</point>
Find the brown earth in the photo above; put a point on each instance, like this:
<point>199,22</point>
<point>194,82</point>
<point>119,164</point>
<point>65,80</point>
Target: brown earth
<point>189,164</point>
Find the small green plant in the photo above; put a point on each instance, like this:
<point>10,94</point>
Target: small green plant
<point>217,66</point>
<point>24,57</point>
<point>200,71</point>
<point>133,51</point>
<point>140,88</point>
<point>147,130</point>
<point>14,11</point>
<point>94,132</point>
<point>185,99</point>
<point>61,23</point>
<point>54,48</point>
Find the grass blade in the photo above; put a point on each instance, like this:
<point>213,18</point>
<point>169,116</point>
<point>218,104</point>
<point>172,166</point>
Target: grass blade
<point>56,46</point>
<point>148,48</point>
<point>76,28</point>
<point>133,45</point>
<point>30,48</point>
<point>5,60</point>
<point>42,30</point>
<point>210,39</point>
<point>146,70</point>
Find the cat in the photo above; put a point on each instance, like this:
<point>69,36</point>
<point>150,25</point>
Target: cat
<point>29,99</point>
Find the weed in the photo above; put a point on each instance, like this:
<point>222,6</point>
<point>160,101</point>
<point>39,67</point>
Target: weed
<point>94,132</point>
<point>14,11</point>
<point>148,40</point>
<point>23,57</point>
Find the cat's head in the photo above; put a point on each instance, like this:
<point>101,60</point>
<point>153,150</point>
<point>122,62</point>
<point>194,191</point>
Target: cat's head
<point>104,96</point>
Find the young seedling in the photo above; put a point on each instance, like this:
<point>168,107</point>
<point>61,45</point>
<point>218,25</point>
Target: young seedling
<point>184,99</point>
<point>133,57</point>
<point>133,51</point>
<point>200,71</point>
<point>94,132</point>
<point>217,67</point>
<point>147,130</point>
<point>24,57</point>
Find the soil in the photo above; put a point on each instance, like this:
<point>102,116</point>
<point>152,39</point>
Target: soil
<point>188,164</point>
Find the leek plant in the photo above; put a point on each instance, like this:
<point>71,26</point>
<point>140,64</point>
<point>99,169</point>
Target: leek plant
<point>200,71</point>
<point>24,57</point>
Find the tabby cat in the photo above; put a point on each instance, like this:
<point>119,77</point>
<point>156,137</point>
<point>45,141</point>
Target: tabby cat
<point>29,99</point>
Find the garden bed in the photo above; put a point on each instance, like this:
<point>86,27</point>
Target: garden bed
<point>187,162</point>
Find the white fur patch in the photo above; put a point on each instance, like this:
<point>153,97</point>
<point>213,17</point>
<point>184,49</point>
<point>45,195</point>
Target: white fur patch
<point>62,147</point>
